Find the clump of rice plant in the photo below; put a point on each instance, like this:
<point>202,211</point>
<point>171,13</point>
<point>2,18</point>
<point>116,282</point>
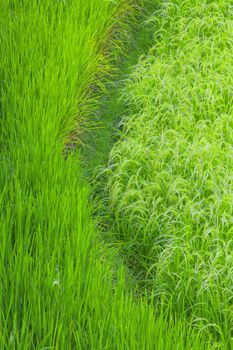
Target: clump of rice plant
<point>59,286</point>
<point>170,181</point>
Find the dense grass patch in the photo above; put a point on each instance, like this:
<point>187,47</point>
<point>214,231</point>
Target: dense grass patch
<point>62,287</point>
<point>170,179</point>
<point>57,286</point>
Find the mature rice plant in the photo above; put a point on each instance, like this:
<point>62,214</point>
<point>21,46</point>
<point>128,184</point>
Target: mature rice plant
<point>170,179</point>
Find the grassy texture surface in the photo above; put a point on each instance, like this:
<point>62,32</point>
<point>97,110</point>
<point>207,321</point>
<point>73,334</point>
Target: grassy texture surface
<point>170,179</point>
<point>56,282</point>
<point>62,287</point>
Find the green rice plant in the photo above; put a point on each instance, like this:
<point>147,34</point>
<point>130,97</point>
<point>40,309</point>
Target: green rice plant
<point>57,286</point>
<point>62,287</point>
<point>170,173</point>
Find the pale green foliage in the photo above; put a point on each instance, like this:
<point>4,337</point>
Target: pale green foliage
<point>170,174</point>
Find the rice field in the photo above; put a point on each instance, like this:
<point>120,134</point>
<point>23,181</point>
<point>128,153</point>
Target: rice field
<point>116,174</point>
